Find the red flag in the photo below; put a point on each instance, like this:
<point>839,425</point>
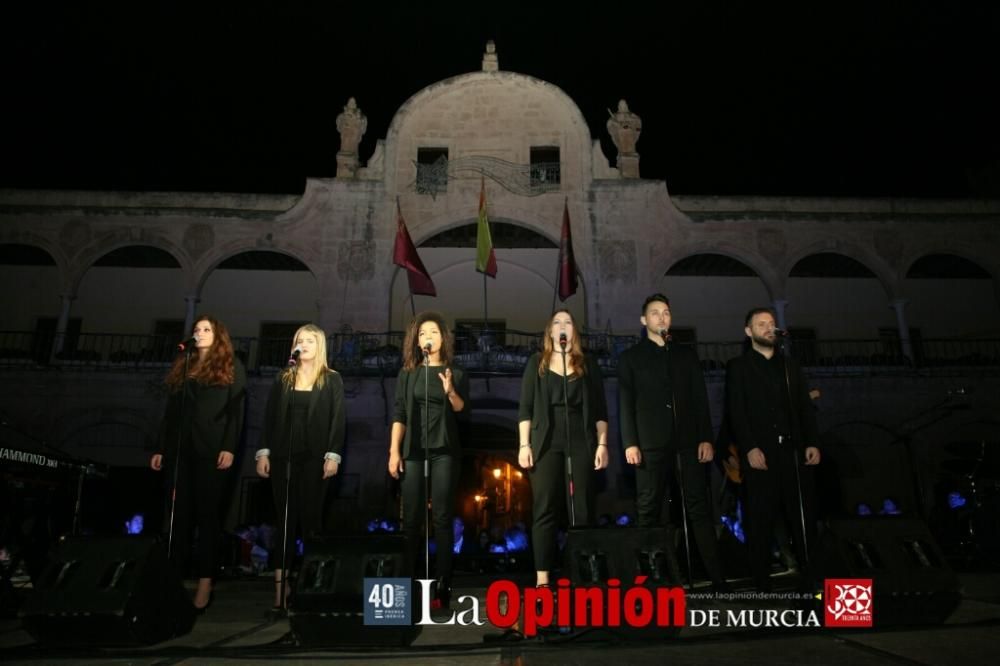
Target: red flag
<point>567,262</point>
<point>486,258</point>
<point>404,254</point>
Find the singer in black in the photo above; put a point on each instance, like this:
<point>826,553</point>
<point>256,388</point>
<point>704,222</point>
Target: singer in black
<point>429,378</point>
<point>304,426</point>
<point>665,420</point>
<point>554,395</point>
<point>773,423</point>
<point>201,428</point>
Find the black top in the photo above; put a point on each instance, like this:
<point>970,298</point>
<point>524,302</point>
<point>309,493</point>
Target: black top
<point>436,400</point>
<point>663,402</point>
<point>212,416</point>
<point>407,406</point>
<point>323,424</point>
<point>536,402</point>
<point>755,402</point>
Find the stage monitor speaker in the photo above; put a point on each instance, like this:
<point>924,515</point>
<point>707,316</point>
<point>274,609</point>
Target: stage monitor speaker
<point>108,591</point>
<point>593,556</point>
<point>911,582</point>
<point>327,605</point>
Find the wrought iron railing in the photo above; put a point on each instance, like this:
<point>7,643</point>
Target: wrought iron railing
<point>482,351</point>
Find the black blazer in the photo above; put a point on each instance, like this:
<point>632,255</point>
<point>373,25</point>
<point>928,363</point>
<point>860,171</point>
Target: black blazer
<point>643,411</point>
<point>534,405</point>
<point>751,399</point>
<point>212,418</point>
<point>325,418</point>
<point>406,404</point>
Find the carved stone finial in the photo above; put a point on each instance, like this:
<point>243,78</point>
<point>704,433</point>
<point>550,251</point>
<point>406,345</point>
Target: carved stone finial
<point>491,62</point>
<point>624,128</point>
<point>352,125</point>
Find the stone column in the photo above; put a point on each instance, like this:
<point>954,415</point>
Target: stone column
<point>190,305</point>
<point>779,306</point>
<point>62,323</point>
<point>899,305</point>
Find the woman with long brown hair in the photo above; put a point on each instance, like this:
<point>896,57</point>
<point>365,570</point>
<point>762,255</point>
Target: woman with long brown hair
<point>197,442</point>
<point>431,391</point>
<point>560,390</point>
<point>301,444</point>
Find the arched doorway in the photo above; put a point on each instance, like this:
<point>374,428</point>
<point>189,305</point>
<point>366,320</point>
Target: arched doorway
<point>709,296</point>
<point>262,296</point>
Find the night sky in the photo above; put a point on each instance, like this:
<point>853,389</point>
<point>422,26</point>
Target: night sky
<point>840,99</point>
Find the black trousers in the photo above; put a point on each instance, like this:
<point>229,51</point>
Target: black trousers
<point>198,505</point>
<point>652,479</point>
<point>773,494</point>
<point>444,479</point>
<point>305,502</point>
<point>551,499</point>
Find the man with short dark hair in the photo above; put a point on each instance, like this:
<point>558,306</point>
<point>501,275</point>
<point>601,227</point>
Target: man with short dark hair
<point>772,421</point>
<point>665,420</point>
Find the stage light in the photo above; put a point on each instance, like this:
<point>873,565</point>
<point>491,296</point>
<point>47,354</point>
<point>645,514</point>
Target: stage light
<point>135,524</point>
<point>864,509</point>
<point>497,473</point>
<point>889,507</point>
<point>956,500</point>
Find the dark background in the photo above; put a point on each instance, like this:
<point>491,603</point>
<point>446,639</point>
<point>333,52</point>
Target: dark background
<point>813,98</point>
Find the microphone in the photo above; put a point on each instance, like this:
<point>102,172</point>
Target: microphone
<point>666,336</point>
<point>187,344</point>
<point>426,349</point>
<point>293,360</point>
<point>562,340</point>
<point>779,332</point>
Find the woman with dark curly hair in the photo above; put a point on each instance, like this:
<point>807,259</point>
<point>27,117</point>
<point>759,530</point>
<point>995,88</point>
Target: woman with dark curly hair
<point>197,441</point>
<point>431,391</point>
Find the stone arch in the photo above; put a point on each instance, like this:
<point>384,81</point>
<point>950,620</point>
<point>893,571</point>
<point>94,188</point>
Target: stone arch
<point>41,243</point>
<point>773,282</point>
<point>467,258</point>
<point>226,251</point>
<point>284,296</point>
<point>883,273</point>
<point>710,307</point>
<point>931,307</point>
<point>984,263</point>
<point>88,256</point>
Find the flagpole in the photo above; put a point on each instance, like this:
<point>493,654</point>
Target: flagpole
<point>555,288</point>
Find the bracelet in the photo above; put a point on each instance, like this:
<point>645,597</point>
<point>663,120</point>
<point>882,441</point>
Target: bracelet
<point>525,446</point>
<point>600,445</point>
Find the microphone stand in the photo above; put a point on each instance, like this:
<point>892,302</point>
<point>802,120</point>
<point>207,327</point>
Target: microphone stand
<point>427,465</point>
<point>177,457</point>
<point>795,451</point>
<point>569,447</point>
<point>680,475</point>
<point>290,413</point>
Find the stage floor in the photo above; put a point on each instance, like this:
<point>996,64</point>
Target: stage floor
<point>238,628</point>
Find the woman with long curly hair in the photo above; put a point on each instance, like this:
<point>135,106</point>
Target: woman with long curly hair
<point>303,438</point>
<point>429,378</point>
<point>198,440</point>
<point>558,390</point>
